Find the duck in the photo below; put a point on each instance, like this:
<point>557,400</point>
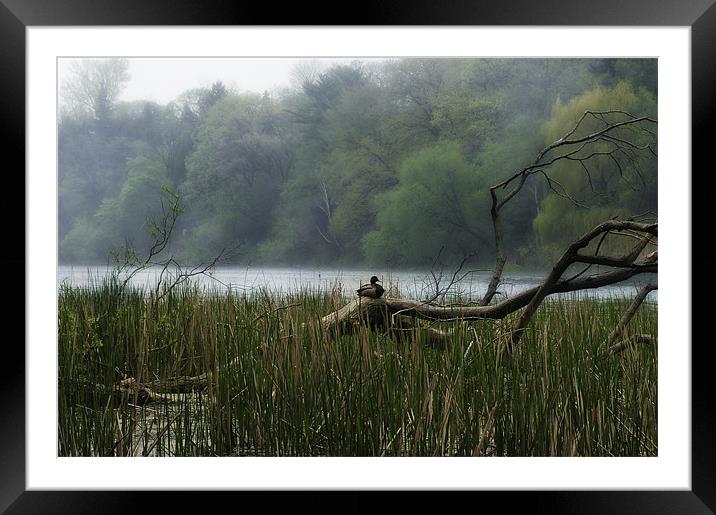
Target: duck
<point>372,290</point>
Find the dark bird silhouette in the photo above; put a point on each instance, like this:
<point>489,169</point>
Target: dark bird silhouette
<point>372,290</point>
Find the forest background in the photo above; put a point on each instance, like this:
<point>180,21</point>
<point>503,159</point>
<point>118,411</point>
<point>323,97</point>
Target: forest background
<point>371,163</point>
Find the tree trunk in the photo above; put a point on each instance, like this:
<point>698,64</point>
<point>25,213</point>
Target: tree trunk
<point>388,314</point>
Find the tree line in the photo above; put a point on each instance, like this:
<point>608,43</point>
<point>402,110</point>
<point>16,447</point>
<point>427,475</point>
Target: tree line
<point>386,164</point>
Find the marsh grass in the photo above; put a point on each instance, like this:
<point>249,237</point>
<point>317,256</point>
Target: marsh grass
<point>279,387</point>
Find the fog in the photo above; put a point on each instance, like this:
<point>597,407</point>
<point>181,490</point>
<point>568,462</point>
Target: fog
<point>162,80</point>
<point>340,163</point>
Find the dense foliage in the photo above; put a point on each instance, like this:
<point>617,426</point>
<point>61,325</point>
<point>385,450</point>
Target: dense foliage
<point>387,165</point>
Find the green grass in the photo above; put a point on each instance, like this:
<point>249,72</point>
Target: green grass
<point>290,391</point>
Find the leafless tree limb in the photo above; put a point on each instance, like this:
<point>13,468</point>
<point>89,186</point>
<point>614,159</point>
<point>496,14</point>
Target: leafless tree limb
<point>570,256</point>
<point>629,314</point>
<point>568,147</point>
<point>171,273</point>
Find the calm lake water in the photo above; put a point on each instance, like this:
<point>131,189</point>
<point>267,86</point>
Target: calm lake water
<point>411,284</point>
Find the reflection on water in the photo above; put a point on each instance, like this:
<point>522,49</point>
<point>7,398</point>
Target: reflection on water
<point>411,284</point>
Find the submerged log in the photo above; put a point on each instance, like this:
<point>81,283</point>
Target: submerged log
<point>135,392</point>
<point>157,390</point>
<point>154,391</point>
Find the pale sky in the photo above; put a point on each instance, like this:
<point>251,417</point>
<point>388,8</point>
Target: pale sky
<point>163,79</point>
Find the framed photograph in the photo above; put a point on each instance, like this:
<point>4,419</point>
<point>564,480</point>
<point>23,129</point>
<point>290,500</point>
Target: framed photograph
<point>177,85</point>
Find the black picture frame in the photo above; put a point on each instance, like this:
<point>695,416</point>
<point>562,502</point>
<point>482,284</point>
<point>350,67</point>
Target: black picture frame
<point>16,15</point>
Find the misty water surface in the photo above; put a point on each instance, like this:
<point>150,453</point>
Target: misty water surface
<point>411,284</point>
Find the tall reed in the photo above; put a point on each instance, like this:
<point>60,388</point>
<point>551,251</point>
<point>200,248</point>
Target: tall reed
<point>277,386</point>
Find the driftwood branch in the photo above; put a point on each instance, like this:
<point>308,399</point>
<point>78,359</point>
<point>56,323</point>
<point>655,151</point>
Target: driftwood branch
<point>629,314</point>
<point>572,255</point>
<point>381,313</point>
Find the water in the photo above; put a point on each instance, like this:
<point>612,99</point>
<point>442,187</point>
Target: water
<point>410,284</point>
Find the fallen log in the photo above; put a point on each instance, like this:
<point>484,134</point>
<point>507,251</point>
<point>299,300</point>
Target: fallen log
<point>395,316</point>
<point>394,313</point>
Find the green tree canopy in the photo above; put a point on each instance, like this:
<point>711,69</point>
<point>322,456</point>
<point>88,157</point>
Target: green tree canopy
<point>235,175</point>
<point>439,203</point>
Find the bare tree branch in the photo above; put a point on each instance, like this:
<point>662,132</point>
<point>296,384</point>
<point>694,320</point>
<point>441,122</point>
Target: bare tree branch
<point>171,273</point>
<point>571,255</point>
<point>560,150</point>
<point>629,313</point>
